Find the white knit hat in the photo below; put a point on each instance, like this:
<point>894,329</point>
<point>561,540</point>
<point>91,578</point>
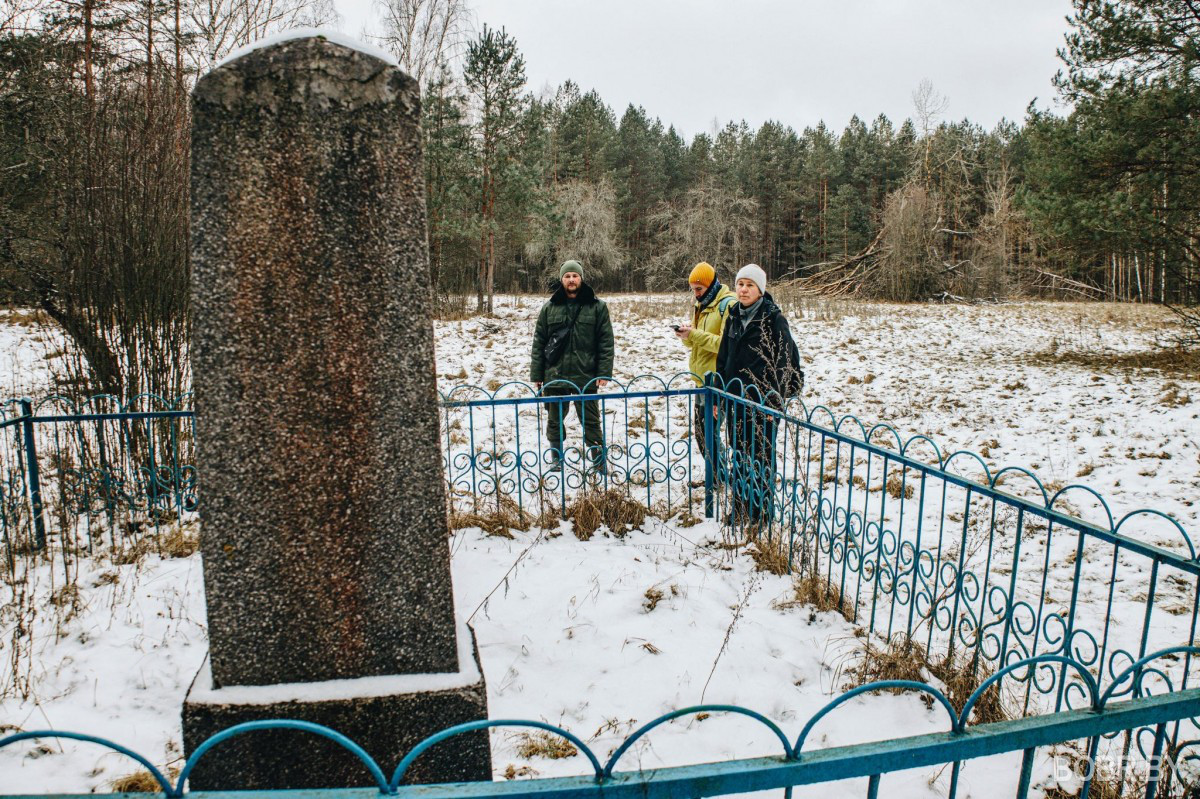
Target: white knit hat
<point>753,272</point>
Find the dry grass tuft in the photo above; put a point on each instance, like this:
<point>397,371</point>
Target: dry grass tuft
<point>66,597</point>
<point>812,591</point>
<point>137,782</point>
<point>500,521</point>
<point>132,553</point>
<point>512,772</point>
<point>454,307</point>
<point>1174,396</point>
<point>497,523</point>
<point>544,744</point>
<point>770,556</point>
<point>1168,360</point>
<point>179,541</point>
<point>905,659</point>
<point>169,541</point>
<point>896,487</point>
<point>25,318</point>
<point>653,597</point>
<point>611,509</point>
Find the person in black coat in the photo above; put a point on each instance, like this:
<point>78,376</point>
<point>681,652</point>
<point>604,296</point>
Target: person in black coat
<point>758,359</point>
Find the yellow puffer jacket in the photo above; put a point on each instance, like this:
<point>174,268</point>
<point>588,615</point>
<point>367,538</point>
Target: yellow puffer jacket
<point>705,338</point>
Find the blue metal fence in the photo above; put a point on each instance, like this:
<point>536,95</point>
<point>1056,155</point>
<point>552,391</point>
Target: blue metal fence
<point>972,568</point>
<point>1163,769</point>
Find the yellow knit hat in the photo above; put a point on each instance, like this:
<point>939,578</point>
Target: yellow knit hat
<point>703,273</point>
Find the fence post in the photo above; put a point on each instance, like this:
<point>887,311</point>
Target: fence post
<point>33,485</point>
<point>106,481</point>
<point>710,455</point>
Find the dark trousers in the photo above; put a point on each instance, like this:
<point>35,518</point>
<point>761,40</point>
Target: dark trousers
<point>751,436</point>
<point>588,412</point>
<point>699,413</point>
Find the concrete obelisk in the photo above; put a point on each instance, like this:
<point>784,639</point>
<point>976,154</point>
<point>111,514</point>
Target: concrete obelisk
<point>323,532</point>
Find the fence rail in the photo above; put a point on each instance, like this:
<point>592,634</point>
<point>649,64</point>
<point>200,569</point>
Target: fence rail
<point>795,766</point>
<point>971,569</point>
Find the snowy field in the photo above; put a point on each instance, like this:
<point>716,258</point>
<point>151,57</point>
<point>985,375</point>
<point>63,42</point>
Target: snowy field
<point>601,636</point>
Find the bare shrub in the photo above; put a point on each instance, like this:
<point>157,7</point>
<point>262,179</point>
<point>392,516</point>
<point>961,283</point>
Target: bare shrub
<point>584,227</point>
<point>423,34</point>
<point>720,223</point>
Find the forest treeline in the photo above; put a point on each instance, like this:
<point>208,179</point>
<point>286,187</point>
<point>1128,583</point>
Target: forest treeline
<point>1101,202</point>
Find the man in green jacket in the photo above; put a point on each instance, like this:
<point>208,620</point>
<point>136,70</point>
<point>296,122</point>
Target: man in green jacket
<point>584,366</point>
<point>703,336</point>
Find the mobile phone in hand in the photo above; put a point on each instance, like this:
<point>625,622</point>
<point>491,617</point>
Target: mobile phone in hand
<point>675,328</point>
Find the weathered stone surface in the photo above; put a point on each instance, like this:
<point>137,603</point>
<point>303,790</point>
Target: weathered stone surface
<point>324,523</point>
<point>386,726</point>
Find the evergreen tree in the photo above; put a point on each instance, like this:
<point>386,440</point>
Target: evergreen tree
<point>638,169</point>
<point>494,75</point>
<point>584,136</point>
<point>1118,181</point>
<point>449,193</point>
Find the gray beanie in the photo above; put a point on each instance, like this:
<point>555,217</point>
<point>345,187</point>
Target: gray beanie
<point>755,273</point>
<point>570,266</point>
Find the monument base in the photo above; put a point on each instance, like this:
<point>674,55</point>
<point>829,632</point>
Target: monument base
<point>387,716</point>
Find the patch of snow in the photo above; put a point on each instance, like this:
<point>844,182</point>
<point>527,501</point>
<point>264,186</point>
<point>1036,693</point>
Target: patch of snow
<point>337,37</point>
<point>326,690</point>
<point>566,633</point>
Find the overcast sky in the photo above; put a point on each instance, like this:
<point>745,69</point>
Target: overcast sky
<point>696,63</point>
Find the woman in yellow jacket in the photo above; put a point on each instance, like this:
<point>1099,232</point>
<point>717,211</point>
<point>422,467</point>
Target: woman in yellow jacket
<point>703,335</point>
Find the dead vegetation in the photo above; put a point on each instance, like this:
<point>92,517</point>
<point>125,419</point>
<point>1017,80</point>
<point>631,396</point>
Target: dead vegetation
<point>814,592</point>
<point>770,555</point>
<point>898,487</point>
<point>544,744</point>
<point>506,516</point>
<point>1170,361</point>
<point>902,658</point>
<point>1108,780</point>
<point>611,509</point>
<point>170,541</point>
<point>24,317</point>
<point>511,772</point>
<point>141,781</point>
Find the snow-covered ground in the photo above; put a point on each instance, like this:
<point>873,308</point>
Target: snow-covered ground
<point>993,379</point>
<point>26,352</point>
<point>573,634</point>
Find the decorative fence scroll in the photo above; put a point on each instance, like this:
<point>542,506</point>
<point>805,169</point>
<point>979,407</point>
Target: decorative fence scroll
<point>979,567</point>
<point>1157,768</point>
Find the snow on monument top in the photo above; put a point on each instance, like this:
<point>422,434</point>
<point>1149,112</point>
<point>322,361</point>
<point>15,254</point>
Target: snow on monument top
<point>337,37</point>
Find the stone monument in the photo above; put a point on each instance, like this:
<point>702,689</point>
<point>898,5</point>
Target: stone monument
<point>323,533</point>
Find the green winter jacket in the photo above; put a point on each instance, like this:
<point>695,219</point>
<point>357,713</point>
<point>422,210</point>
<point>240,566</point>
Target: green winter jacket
<point>590,348</point>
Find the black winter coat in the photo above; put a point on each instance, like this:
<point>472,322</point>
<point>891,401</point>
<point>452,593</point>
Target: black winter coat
<point>764,355</point>
<point>590,348</point>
